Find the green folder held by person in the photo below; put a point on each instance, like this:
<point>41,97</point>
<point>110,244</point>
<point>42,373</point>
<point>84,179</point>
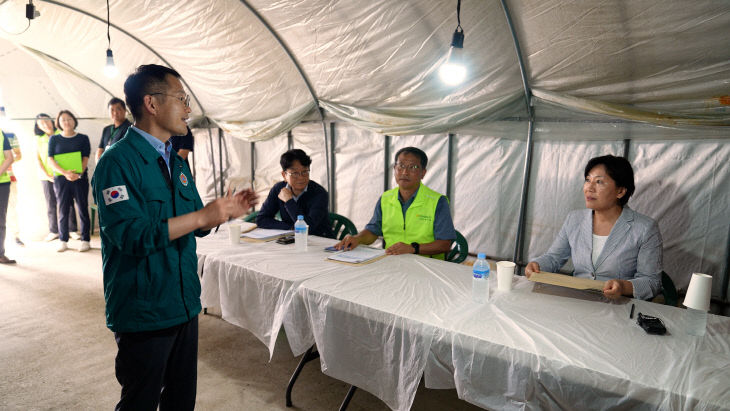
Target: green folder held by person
<point>70,161</point>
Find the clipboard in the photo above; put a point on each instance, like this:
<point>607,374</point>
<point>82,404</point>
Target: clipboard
<point>568,281</point>
<point>70,161</point>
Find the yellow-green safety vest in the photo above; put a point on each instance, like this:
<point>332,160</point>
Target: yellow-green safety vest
<point>419,218</point>
<point>4,177</point>
<point>42,145</point>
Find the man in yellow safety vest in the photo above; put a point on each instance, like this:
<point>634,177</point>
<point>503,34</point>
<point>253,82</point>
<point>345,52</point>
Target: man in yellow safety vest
<point>412,218</point>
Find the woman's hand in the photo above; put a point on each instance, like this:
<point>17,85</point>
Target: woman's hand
<point>532,267</point>
<point>71,175</point>
<point>613,289</point>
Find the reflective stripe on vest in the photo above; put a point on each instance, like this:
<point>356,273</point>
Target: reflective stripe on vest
<point>419,219</point>
<point>4,177</point>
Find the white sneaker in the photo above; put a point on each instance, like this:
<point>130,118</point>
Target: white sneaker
<point>74,235</point>
<point>85,246</point>
<point>51,237</point>
<point>62,246</point>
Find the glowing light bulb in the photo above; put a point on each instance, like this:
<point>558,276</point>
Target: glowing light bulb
<point>110,70</point>
<point>453,71</point>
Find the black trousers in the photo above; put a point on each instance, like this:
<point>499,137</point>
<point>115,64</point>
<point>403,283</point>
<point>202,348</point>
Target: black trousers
<point>68,192</point>
<point>158,368</point>
<point>52,208</point>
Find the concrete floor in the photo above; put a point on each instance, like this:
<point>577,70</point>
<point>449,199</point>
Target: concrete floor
<point>56,352</point>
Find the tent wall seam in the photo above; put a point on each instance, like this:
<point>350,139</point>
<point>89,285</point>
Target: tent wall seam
<point>130,35</point>
<point>517,255</point>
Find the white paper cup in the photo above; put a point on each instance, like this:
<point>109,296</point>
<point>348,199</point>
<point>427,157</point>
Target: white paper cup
<point>505,273</point>
<point>234,233</point>
<point>698,292</point>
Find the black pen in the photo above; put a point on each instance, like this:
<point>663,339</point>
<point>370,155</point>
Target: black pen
<point>631,314</point>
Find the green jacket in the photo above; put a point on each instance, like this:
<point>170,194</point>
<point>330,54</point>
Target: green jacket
<point>419,219</point>
<point>150,282</point>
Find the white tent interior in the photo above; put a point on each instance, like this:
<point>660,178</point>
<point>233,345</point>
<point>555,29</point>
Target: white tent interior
<point>351,82</point>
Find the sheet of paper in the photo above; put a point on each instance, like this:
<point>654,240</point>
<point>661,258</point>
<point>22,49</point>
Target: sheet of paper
<point>265,233</point>
<point>358,255</point>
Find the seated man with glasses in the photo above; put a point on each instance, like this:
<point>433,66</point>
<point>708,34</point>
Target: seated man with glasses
<point>296,195</point>
<point>413,219</point>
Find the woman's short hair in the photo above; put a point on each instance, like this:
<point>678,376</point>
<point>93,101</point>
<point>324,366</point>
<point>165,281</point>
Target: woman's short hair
<point>288,158</point>
<point>41,116</point>
<point>619,169</point>
<point>58,118</point>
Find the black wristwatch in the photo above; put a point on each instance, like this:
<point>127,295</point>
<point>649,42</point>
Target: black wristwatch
<point>417,247</point>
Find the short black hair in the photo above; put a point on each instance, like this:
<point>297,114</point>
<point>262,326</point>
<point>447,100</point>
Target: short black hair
<point>41,116</point>
<point>147,79</point>
<point>619,169</point>
<point>288,158</point>
<point>116,100</point>
<point>58,117</point>
<point>416,152</point>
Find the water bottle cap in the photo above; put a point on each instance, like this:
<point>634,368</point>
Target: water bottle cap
<point>300,217</point>
<point>481,256</point>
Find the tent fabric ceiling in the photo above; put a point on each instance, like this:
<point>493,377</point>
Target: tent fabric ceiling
<point>375,64</point>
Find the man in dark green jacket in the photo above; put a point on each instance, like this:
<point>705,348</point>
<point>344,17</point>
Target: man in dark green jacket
<point>149,215</point>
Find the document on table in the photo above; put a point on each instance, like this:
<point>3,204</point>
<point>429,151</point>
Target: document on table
<point>359,255</point>
<point>265,234</point>
<point>246,227</point>
<point>567,281</point>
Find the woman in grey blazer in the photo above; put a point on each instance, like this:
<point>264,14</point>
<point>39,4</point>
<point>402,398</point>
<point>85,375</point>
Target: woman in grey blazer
<point>608,241</point>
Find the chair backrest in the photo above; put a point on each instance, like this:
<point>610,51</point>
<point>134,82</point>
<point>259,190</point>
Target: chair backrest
<point>669,290</point>
<point>459,249</point>
<point>341,226</point>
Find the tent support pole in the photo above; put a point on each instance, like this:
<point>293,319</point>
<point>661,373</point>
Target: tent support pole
<point>333,205</point>
<point>627,148</point>
<point>212,162</point>
<point>517,256</point>
<point>253,163</point>
<point>386,169</point>
<point>298,66</point>
<point>450,172</point>
<point>289,140</point>
<point>138,40</point>
<point>220,160</point>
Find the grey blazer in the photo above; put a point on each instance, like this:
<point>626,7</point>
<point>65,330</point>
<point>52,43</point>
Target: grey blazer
<point>633,251</point>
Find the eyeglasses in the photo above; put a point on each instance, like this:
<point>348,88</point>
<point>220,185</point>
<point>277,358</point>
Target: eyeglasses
<point>410,168</point>
<point>303,173</point>
<point>185,100</point>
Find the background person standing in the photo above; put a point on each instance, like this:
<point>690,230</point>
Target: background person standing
<point>70,185</point>
<point>6,159</point>
<point>43,130</point>
<point>115,131</point>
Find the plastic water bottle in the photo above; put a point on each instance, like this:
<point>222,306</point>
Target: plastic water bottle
<point>480,280</point>
<point>300,234</point>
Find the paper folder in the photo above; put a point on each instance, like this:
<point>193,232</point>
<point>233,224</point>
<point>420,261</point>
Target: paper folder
<point>70,161</point>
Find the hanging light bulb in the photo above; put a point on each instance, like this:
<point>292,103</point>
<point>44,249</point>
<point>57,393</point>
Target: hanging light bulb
<point>110,70</point>
<point>453,71</point>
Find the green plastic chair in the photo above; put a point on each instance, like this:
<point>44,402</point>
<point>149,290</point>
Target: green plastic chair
<point>341,226</point>
<point>459,249</point>
<point>251,218</point>
<point>669,290</point>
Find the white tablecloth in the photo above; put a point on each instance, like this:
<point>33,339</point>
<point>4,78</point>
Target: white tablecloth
<point>255,285</point>
<point>382,325</point>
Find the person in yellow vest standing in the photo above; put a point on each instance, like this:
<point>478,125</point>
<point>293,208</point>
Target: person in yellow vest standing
<point>413,219</point>
<point>6,159</point>
<point>43,130</point>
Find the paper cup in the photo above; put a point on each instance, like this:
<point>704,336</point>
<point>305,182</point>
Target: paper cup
<point>698,292</point>
<point>234,233</point>
<point>505,272</point>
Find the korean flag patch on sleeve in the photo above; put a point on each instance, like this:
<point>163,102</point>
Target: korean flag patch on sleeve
<point>115,194</point>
